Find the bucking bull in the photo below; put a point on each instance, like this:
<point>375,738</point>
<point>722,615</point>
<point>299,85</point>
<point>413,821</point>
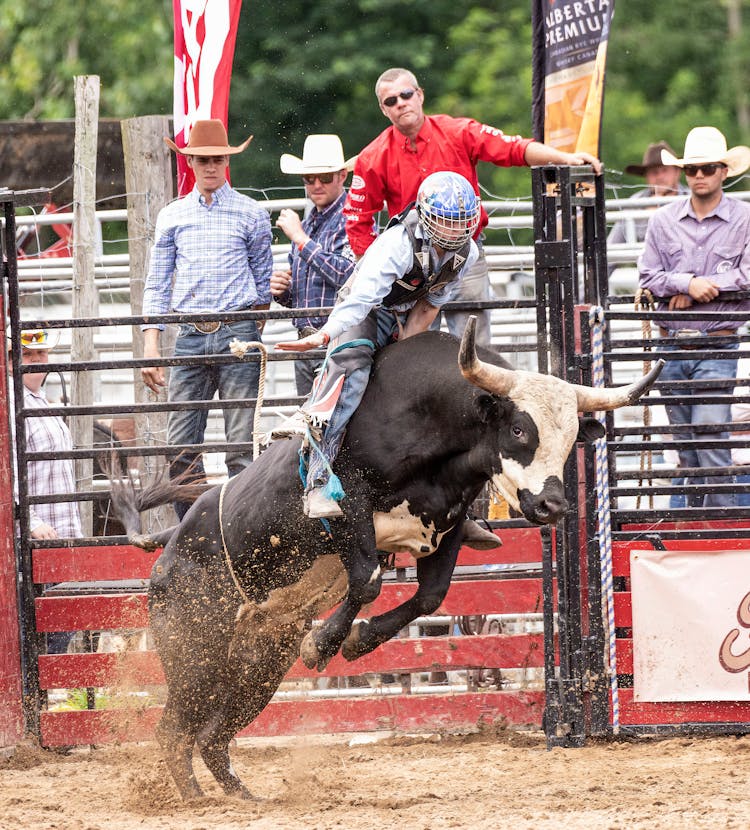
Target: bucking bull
<point>234,592</point>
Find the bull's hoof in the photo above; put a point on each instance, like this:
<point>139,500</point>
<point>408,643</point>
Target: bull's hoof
<point>143,541</point>
<point>310,654</point>
<point>239,791</point>
<point>353,646</point>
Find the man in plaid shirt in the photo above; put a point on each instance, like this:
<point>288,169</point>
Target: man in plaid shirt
<point>211,253</point>
<point>321,259</point>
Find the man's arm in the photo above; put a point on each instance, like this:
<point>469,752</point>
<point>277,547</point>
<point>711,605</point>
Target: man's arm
<point>420,318</point>
<point>153,376</point>
<point>365,199</point>
<point>334,263</point>
<point>538,153</point>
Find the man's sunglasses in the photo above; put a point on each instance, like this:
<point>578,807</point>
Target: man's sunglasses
<point>404,95</point>
<point>34,338</point>
<point>707,169</point>
<point>323,178</point>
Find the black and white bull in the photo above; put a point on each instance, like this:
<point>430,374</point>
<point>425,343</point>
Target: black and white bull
<point>233,594</point>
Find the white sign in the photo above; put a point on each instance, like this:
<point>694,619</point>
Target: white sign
<point>691,625</point>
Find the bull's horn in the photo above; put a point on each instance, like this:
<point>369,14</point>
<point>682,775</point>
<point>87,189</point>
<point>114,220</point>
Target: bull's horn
<point>491,378</point>
<point>594,399</point>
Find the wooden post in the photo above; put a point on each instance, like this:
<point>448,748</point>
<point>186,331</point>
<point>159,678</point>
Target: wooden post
<point>85,302</point>
<point>149,181</point>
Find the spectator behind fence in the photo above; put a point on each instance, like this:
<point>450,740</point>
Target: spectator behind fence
<point>392,166</point>
<point>211,253</point>
<point>321,259</point>
<point>55,476</point>
<point>741,455</point>
<point>662,180</point>
<point>696,248</point>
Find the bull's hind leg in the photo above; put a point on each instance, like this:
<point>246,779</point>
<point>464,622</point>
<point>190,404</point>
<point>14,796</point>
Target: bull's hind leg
<point>253,677</point>
<point>177,749</point>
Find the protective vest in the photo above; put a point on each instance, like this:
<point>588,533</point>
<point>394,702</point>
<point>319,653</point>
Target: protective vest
<point>420,280</point>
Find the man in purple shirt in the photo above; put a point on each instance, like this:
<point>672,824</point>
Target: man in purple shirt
<point>696,249</point>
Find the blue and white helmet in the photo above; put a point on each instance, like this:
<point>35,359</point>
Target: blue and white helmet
<point>448,208</point>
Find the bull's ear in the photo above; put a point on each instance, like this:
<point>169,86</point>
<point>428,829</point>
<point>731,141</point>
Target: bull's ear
<point>589,429</point>
<point>486,406</point>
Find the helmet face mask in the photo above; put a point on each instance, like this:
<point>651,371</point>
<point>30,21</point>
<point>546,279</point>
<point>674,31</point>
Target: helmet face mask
<point>449,209</point>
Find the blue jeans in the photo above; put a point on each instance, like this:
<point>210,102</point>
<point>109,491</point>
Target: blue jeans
<point>685,414</point>
<point>355,363</point>
<point>475,285</point>
<point>200,382</point>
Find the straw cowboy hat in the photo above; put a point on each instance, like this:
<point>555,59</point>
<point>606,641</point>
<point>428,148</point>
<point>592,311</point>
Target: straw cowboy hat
<point>651,158</point>
<point>321,154</point>
<point>207,138</point>
<point>37,339</point>
<point>707,145</point>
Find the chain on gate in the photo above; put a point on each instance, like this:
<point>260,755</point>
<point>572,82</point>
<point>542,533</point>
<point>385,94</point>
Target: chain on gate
<point>596,323</point>
<point>644,301</point>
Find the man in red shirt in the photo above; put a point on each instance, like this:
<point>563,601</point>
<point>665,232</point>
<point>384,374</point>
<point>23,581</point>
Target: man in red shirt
<point>392,166</point>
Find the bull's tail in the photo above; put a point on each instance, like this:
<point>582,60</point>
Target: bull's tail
<point>129,501</point>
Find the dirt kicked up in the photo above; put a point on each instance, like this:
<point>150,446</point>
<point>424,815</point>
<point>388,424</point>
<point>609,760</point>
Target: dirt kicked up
<point>479,782</point>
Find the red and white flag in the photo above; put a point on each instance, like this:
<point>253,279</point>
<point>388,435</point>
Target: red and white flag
<point>204,36</point>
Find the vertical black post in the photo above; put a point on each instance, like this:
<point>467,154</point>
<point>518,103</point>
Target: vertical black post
<point>30,640</point>
<point>568,214</point>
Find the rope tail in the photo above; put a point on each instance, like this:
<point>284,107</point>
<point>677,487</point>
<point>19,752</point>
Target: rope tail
<point>239,348</point>
<point>596,322</point>
<point>644,301</point>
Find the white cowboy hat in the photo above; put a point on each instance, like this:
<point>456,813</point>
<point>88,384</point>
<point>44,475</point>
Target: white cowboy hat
<point>34,339</point>
<point>321,154</point>
<point>707,145</point>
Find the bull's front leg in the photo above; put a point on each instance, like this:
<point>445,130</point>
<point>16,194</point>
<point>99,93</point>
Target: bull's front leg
<point>363,570</point>
<point>434,574</point>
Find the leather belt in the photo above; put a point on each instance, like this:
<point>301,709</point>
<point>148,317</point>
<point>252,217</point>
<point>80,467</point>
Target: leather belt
<point>680,333</point>
<point>212,326</point>
<point>207,328</point>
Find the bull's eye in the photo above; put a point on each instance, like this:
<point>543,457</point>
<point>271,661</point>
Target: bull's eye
<point>517,432</point>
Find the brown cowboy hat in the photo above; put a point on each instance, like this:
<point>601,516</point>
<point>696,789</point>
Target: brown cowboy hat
<point>207,138</point>
<point>651,158</point>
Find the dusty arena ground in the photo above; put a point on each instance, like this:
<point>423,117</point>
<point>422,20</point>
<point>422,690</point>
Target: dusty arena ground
<point>478,782</point>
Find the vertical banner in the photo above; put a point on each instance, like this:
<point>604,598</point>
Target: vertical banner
<point>204,36</point>
<point>569,59</point>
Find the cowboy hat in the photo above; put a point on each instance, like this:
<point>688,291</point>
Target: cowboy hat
<point>37,339</point>
<point>207,138</point>
<point>321,154</point>
<point>707,145</point>
<point>651,158</point>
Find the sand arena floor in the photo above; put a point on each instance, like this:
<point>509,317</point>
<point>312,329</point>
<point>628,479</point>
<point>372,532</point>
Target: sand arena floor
<point>482,782</point>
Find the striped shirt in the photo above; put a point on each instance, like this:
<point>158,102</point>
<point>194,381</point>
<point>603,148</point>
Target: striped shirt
<point>51,476</point>
<point>322,266</point>
<point>213,257</point>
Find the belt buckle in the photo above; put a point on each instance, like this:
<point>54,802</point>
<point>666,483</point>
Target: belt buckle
<point>208,327</point>
<point>687,333</point>
<point>306,331</point>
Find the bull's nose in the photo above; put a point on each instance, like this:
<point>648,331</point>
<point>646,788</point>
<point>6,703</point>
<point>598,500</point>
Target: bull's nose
<point>545,507</point>
<point>550,509</point>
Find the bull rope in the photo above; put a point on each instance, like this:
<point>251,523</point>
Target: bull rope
<point>239,348</point>
<point>596,323</point>
<point>236,581</point>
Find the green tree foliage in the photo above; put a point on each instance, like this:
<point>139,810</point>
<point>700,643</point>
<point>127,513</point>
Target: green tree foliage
<point>306,66</point>
<point>44,44</point>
